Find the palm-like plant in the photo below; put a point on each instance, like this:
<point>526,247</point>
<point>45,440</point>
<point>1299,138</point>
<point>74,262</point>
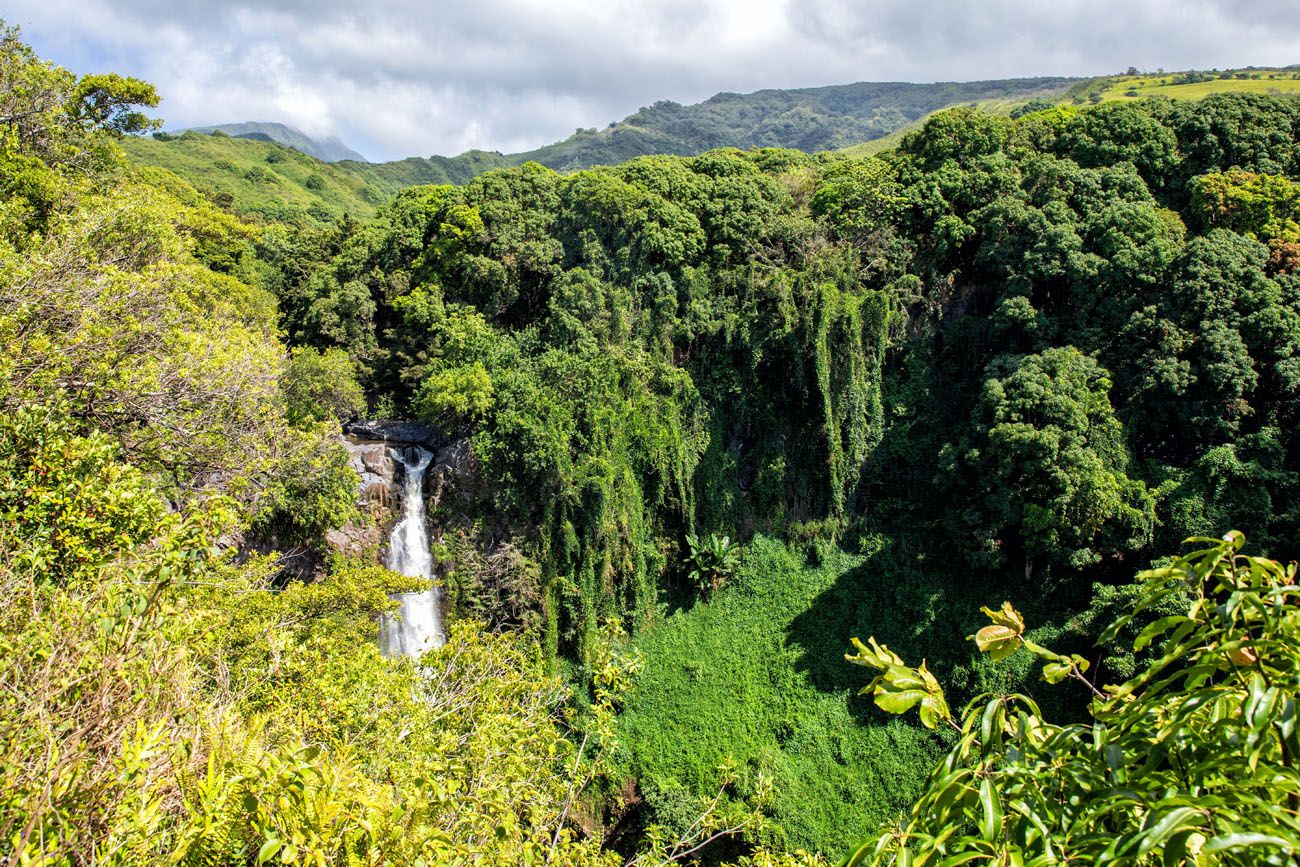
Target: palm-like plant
<point>712,560</point>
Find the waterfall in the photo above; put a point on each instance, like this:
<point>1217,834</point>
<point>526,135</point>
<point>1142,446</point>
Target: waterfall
<point>417,626</point>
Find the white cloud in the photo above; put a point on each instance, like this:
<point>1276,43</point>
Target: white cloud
<point>400,77</point>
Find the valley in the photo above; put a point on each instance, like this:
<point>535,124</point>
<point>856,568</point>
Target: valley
<point>869,474</point>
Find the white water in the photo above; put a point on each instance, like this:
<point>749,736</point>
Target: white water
<point>417,626</point>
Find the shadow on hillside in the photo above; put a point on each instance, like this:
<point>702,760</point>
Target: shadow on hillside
<point>916,611</point>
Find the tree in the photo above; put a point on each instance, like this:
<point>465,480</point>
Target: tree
<point>1190,761</point>
<point>321,386</point>
<point>1043,470</point>
<point>48,112</point>
<point>1264,207</point>
<point>1122,132</point>
<point>1031,107</point>
<point>958,134</point>
<point>108,101</point>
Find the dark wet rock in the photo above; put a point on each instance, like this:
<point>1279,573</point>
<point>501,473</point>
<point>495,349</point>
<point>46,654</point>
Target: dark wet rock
<point>455,460</point>
<point>454,480</point>
<point>399,432</point>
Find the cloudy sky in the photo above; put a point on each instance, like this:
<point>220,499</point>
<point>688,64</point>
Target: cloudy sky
<point>396,78</point>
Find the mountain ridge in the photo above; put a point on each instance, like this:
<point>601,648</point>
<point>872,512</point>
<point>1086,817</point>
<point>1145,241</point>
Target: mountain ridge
<point>328,150</point>
<point>256,178</point>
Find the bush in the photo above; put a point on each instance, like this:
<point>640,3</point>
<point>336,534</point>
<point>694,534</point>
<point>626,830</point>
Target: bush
<point>1191,760</point>
<point>455,397</point>
<point>710,561</point>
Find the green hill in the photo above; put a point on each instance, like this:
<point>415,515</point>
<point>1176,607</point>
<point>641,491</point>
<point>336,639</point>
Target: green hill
<point>266,180</point>
<point>413,171</point>
<point>261,179</point>
<point>809,119</point>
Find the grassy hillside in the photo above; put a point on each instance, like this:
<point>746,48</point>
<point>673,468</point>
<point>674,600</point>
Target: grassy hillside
<point>756,678</point>
<point>261,179</point>
<point>1187,85</point>
<point>390,177</point>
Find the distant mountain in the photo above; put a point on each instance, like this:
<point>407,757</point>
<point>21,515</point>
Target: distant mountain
<point>810,119</point>
<point>329,150</point>
<point>259,177</point>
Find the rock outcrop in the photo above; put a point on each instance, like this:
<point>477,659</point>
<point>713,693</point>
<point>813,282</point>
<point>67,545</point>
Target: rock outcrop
<point>401,432</point>
<point>373,462</point>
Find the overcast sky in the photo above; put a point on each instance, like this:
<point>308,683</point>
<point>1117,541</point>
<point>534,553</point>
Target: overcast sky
<point>396,78</point>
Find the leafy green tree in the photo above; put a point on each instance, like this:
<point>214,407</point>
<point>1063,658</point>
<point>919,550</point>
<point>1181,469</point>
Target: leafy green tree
<point>49,113</point>
<point>321,386</point>
<point>107,102</point>
<point>1045,466</point>
<point>1237,342</point>
<point>1263,207</point>
<point>960,135</point>
<point>1247,131</point>
<point>862,202</point>
<point>1116,132</point>
<point>455,397</point>
<point>1031,107</point>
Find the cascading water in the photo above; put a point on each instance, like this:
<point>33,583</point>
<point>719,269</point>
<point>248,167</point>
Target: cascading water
<point>418,624</point>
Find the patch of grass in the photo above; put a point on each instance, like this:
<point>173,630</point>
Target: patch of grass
<point>1136,87</point>
<point>1183,85</point>
<point>884,143</point>
<point>757,678</point>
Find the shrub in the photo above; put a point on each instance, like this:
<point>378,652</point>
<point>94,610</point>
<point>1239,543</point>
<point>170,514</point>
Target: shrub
<point>711,561</point>
<point>1189,760</point>
<point>321,385</point>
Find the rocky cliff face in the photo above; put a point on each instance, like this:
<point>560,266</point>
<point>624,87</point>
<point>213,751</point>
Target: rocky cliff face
<point>378,493</point>
<point>370,446</point>
<point>373,462</point>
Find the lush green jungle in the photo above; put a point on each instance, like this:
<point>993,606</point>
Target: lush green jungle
<point>274,183</point>
<point>738,425</point>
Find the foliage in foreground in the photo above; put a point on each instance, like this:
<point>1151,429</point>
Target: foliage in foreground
<point>162,705</point>
<point>1191,761</point>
